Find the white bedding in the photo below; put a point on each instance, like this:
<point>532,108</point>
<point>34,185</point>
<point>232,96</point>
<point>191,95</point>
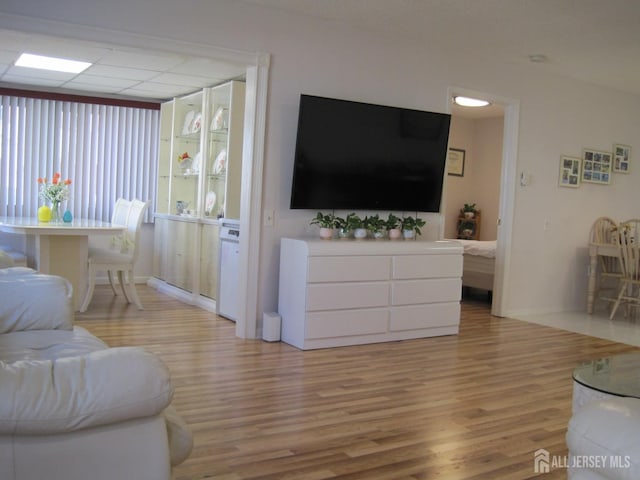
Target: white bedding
<point>480,248</point>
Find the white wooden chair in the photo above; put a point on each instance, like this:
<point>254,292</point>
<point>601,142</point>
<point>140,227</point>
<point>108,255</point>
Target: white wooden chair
<point>119,260</point>
<point>629,256</point>
<point>119,217</point>
<point>604,231</point>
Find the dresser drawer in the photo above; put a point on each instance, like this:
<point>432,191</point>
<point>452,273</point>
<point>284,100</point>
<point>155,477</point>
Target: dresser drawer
<point>347,295</point>
<point>412,292</point>
<point>349,269</point>
<point>346,323</point>
<point>416,317</point>
<point>426,266</point>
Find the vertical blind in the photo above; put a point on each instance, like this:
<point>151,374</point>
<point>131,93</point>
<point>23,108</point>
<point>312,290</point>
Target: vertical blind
<point>106,151</point>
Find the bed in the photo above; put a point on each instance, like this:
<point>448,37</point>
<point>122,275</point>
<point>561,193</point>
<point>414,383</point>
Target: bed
<point>478,263</point>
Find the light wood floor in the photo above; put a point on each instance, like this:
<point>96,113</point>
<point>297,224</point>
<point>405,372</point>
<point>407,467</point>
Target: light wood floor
<point>472,406</point>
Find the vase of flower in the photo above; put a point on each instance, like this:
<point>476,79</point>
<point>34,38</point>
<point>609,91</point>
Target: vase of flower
<point>54,192</point>
<point>56,216</point>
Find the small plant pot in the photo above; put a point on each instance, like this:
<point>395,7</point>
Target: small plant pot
<point>469,214</point>
<point>409,234</point>
<point>379,234</point>
<point>395,234</point>
<point>326,233</point>
<point>345,233</point>
<point>360,233</point>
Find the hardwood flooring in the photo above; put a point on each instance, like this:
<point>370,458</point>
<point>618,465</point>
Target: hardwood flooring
<point>472,406</point>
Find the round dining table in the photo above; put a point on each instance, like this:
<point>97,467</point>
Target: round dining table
<point>59,248</point>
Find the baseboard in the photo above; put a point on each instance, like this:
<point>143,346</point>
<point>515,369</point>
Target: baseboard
<point>190,298</point>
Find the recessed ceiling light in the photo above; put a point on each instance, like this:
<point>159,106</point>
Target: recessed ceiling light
<point>470,102</point>
<point>51,63</point>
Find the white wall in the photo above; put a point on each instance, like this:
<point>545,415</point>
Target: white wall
<point>557,116</point>
<point>481,139</point>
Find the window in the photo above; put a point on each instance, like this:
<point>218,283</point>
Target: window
<point>108,151</point>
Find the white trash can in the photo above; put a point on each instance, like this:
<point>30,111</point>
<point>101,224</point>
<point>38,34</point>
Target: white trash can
<point>271,327</point>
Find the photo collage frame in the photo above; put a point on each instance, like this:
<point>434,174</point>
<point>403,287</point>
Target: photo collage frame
<point>595,166</point>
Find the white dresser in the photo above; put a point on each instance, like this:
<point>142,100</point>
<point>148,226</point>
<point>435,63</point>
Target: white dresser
<point>346,292</point>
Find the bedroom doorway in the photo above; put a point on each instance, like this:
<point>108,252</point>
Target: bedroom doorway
<point>488,137</point>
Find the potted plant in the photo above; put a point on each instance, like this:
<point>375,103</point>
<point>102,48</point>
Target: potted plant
<point>359,227</point>
<point>411,226</point>
<point>346,226</point>
<point>466,230</point>
<point>376,225</point>
<point>469,210</point>
<point>393,226</point>
<point>326,222</point>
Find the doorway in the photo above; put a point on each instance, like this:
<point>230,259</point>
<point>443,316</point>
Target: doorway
<point>257,67</point>
<point>491,137</point>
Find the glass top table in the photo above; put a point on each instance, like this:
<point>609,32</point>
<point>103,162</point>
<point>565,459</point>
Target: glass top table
<point>617,376</point>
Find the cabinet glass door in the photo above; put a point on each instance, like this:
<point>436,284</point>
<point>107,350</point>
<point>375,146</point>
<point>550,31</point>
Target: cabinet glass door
<point>217,154</point>
<point>164,157</point>
<point>186,162</point>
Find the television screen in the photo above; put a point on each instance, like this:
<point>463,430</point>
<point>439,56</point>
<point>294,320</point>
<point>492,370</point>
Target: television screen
<point>360,156</point>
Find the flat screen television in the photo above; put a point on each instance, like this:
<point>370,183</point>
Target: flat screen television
<point>359,156</point>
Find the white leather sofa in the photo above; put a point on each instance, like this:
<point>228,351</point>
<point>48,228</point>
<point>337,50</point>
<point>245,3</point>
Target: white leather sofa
<point>70,407</point>
<point>604,440</point>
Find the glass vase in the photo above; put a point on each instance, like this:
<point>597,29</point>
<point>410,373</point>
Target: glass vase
<point>56,215</point>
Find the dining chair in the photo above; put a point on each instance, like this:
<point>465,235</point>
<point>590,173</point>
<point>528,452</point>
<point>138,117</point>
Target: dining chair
<point>629,257</point>
<point>119,217</point>
<point>121,259</point>
<point>604,231</point>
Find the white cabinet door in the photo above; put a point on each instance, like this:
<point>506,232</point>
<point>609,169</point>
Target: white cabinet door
<point>181,254</point>
<point>209,247</point>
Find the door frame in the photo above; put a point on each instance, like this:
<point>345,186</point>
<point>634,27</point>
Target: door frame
<point>257,65</point>
<point>508,179</point>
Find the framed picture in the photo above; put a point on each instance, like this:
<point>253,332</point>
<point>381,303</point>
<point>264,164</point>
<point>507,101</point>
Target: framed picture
<point>621,157</point>
<point>455,162</point>
<point>570,171</point>
<point>596,166</point>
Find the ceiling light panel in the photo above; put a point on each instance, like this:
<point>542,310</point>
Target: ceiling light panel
<point>55,64</point>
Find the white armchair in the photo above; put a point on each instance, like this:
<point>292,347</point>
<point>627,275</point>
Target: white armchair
<point>70,407</point>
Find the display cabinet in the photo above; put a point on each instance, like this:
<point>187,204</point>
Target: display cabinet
<point>200,153</point>
<point>199,182</point>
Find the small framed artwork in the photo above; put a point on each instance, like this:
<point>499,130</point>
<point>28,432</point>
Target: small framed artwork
<point>621,157</point>
<point>570,171</point>
<point>455,162</point>
<point>596,166</point>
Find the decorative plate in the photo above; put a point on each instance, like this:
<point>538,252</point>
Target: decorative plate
<point>217,123</point>
<point>197,163</point>
<point>197,123</point>
<point>209,203</point>
<point>188,120</point>
<point>220,164</point>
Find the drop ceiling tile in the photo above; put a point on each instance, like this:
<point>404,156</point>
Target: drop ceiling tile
<point>141,60</point>
<point>121,72</point>
<point>99,81</point>
<point>184,80</point>
<point>166,91</point>
<point>91,87</point>
<point>8,56</point>
<point>204,67</point>
<point>22,80</point>
<point>40,74</point>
